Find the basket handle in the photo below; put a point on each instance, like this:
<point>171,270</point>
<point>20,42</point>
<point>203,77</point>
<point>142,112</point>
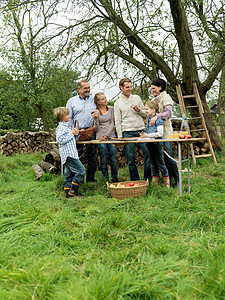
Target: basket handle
<point>76,124</point>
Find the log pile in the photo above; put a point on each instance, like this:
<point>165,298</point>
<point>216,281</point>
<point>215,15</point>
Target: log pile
<point>196,132</point>
<point>26,142</point>
<point>51,163</point>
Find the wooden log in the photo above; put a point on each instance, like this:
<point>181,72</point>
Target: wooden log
<point>38,171</point>
<point>47,166</point>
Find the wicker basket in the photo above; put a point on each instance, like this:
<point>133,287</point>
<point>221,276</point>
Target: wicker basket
<point>128,192</point>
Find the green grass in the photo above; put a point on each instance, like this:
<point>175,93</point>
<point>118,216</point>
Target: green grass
<point>160,246</point>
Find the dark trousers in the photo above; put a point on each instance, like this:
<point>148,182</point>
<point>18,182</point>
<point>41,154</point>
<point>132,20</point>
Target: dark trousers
<point>74,171</point>
<point>108,151</point>
<point>130,153</point>
<point>157,159</point>
<point>90,153</point>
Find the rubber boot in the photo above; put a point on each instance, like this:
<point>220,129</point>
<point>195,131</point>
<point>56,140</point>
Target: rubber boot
<point>155,179</point>
<point>166,180</point>
<point>73,192</point>
<point>66,189</point>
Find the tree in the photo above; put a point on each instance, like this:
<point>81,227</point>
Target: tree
<point>221,103</point>
<point>132,30</point>
<point>45,73</point>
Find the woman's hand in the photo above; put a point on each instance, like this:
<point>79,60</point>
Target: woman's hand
<point>94,114</point>
<point>153,120</point>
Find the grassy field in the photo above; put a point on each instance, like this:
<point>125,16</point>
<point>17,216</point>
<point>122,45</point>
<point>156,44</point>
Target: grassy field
<point>160,246</point>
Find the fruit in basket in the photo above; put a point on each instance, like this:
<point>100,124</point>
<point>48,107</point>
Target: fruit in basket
<point>182,136</point>
<point>130,184</point>
<point>189,136</point>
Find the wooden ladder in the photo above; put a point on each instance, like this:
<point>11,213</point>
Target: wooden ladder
<point>197,105</point>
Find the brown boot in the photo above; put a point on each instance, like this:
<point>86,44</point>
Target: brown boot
<point>73,192</point>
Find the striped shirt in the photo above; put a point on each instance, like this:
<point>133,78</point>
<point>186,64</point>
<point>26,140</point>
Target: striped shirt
<point>80,109</point>
<point>66,141</point>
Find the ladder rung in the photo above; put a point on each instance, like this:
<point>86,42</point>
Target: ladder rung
<point>189,96</point>
<point>194,106</point>
<point>195,118</point>
<point>198,130</point>
<point>203,155</point>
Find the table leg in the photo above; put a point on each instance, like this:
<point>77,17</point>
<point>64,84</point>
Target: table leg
<point>188,159</point>
<point>180,167</point>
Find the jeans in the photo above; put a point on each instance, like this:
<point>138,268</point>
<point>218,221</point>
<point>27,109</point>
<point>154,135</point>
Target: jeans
<point>74,171</point>
<point>91,158</point>
<point>157,159</point>
<point>103,149</point>
<point>130,153</point>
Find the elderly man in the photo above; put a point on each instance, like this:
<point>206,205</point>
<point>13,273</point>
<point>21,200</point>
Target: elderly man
<point>81,107</point>
<point>129,112</point>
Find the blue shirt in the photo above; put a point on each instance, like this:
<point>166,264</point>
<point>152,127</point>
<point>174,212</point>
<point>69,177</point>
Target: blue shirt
<point>153,129</point>
<point>66,141</point>
<point>80,109</point>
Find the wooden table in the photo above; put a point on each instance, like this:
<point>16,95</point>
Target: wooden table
<point>124,141</point>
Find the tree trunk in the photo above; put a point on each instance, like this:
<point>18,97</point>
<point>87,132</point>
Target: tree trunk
<point>43,118</point>
<point>221,103</point>
<point>210,123</point>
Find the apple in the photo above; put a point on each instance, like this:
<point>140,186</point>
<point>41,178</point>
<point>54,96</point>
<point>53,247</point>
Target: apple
<point>182,136</point>
<point>131,184</point>
<point>188,136</point>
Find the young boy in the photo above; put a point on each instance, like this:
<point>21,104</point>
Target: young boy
<point>65,137</point>
<point>155,151</point>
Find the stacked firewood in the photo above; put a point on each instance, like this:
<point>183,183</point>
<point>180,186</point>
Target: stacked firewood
<point>196,132</point>
<point>51,163</point>
<point>26,142</point>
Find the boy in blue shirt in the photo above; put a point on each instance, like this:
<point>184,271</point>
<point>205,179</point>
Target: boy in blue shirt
<point>66,139</point>
<point>155,151</point>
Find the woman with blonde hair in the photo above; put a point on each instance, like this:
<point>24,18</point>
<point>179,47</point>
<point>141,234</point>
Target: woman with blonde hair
<point>105,130</point>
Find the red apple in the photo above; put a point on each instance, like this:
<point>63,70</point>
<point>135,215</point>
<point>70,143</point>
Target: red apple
<point>189,136</point>
<point>182,136</point>
<point>131,184</point>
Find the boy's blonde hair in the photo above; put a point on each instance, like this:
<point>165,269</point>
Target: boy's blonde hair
<point>60,113</point>
<point>153,104</point>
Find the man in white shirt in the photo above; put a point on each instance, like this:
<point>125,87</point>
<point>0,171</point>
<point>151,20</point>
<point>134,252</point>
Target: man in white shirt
<point>129,112</point>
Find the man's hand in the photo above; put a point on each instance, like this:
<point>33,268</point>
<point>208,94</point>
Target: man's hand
<point>94,114</point>
<point>153,120</point>
<point>75,131</point>
<point>135,107</point>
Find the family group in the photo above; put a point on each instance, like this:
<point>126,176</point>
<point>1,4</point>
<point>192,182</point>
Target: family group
<point>127,117</point>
